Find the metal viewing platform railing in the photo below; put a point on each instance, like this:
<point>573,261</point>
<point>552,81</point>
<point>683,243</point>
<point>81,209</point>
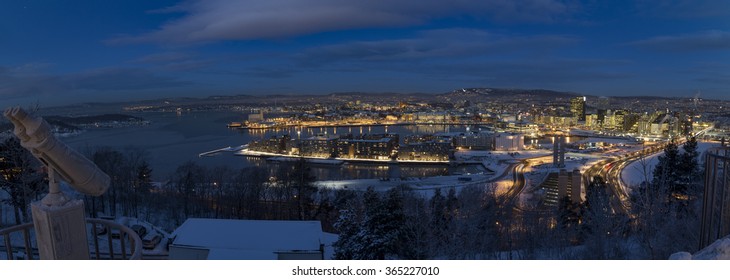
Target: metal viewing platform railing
<point>108,240</point>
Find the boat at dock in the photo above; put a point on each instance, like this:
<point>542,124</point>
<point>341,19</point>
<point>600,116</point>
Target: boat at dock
<point>225,149</point>
<point>235,125</point>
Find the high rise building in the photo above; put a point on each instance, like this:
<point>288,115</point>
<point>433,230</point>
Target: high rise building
<point>630,121</point>
<point>578,107</point>
<point>559,152</point>
<point>570,184</point>
<point>576,184</point>
<point>716,203</point>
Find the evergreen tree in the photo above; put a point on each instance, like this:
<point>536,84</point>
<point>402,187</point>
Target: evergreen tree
<point>665,172</point>
<point>438,223</point>
<point>349,244</point>
<point>383,225</point>
<point>603,229</point>
<point>452,203</point>
<point>371,232</point>
<point>688,167</point>
<point>597,205</point>
<point>569,213</point>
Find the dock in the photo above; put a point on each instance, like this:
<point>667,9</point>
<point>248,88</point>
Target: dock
<point>225,149</point>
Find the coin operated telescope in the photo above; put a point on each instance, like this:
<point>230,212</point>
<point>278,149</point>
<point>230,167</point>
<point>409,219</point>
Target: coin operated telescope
<point>59,220</point>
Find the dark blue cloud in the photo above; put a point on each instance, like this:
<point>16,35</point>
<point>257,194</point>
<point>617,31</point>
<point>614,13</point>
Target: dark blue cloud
<point>90,51</point>
<point>701,41</point>
<point>440,43</point>
<point>683,9</point>
<point>217,20</point>
<point>20,82</point>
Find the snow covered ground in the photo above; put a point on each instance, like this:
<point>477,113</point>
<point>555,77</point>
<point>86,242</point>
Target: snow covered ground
<point>633,174</point>
<point>496,161</point>
<point>640,170</point>
<point>426,185</point>
<point>718,250</point>
<point>499,155</point>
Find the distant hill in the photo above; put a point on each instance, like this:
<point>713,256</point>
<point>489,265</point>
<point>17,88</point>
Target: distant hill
<point>643,97</point>
<point>221,102</point>
<point>374,94</point>
<point>477,94</point>
<point>73,124</point>
<point>85,120</point>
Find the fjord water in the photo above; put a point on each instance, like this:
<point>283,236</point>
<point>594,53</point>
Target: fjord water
<point>171,140</point>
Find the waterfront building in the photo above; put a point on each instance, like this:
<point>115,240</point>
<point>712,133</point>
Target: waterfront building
<point>474,141</point>
<point>629,123</point>
<point>420,138</point>
<point>592,121</point>
<point>409,117</point>
<point>318,146</point>
<point>522,127</point>
<point>432,117</point>
<point>367,146</point>
<point>578,107</point>
<point>644,124</point>
<point>432,150</point>
<point>509,142</point>
<point>558,121</point>
<point>274,145</point>
<point>619,119</point>
<point>256,117</point>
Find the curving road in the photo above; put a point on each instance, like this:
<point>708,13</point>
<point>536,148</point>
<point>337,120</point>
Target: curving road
<point>518,181</point>
<point>610,169</point>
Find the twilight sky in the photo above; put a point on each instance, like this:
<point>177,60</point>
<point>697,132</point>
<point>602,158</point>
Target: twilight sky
<point>61,52</point>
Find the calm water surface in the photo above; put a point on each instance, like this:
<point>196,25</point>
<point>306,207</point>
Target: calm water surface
<point>172,139</point>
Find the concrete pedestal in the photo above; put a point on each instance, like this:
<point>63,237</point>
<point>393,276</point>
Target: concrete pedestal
<point>61,231</point>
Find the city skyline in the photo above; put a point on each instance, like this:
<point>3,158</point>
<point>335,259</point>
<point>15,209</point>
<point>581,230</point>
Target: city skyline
<point>64,53</point>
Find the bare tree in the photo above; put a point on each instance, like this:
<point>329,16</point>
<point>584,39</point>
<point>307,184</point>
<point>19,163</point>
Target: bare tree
<point>20,177</point>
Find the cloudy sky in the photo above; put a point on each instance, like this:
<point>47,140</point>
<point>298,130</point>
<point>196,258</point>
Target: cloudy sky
<point>60,52</point>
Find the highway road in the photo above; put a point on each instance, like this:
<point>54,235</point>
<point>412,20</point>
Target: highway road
<point>610,169</point>
<point>518,182</point>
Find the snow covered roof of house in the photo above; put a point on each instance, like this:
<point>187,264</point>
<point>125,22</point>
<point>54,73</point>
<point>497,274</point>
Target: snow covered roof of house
<point>231,254</point>
<point>221,235</point>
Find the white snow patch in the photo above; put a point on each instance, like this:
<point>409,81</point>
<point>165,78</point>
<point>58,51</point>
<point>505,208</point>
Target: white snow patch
<point>248,239</point>
<point>633,174</point>
<point>718,250</point>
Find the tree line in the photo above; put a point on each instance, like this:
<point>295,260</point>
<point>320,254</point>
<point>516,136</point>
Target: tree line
<point>402,223</point>
<point>476,223</point>
<point>190,191</point>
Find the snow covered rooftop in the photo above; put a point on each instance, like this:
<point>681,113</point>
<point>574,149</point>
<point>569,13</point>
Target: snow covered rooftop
<point>226,238</point>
